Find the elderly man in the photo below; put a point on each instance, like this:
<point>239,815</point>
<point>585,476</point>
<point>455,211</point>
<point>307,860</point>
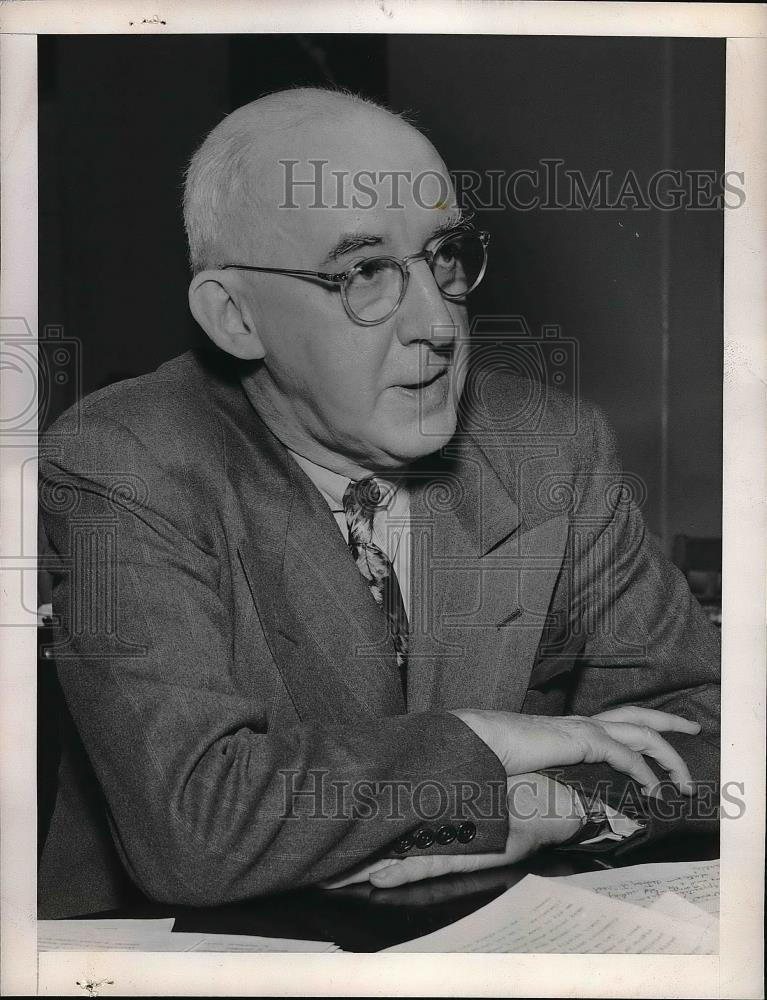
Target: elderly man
<point>322,623</point>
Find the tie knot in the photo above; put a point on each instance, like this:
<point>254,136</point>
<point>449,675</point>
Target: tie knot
<point>363,496</point>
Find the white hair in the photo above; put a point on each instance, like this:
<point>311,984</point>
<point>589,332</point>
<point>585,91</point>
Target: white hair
<point>221,180</point>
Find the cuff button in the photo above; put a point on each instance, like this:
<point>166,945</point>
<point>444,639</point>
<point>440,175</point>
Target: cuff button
<point>446,834</point>
<point>424,838</point>
<point>404,843</point>
<point>466,833</point>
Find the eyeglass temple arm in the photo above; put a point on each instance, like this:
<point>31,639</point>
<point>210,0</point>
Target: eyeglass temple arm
<point>324,276</point>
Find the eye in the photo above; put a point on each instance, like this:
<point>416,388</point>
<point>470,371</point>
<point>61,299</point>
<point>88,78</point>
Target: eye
<point>457,264</point>
<point>370,270</point>
<point>447,254</point>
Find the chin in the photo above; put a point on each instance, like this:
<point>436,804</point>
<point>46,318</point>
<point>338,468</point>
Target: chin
<point>414,441</point>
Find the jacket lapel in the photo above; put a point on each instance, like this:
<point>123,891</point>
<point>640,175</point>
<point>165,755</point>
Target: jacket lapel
<point>326,633</point>
<point>483,581</point>
<point>334,605</point>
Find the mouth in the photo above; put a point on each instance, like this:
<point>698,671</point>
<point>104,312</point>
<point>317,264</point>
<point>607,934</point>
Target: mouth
<point>422,384</point>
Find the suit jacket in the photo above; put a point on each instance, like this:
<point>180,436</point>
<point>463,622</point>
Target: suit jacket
<point>235,724</point>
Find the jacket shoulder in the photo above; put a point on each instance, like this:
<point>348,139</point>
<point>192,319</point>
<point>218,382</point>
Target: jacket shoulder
<point>173,411</point>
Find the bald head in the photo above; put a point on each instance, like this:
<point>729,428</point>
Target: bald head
<point>295,207</point>
<point>236,180</point>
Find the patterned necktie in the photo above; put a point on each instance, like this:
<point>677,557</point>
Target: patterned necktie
<point>360,502</point>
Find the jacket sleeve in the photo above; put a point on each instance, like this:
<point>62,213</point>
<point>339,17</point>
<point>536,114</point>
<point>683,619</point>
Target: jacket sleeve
<point>207,802</point>
<point>645,641</point>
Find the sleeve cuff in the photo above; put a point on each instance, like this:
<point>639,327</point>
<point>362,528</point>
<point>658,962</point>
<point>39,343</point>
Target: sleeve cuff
<point>617,827</point>
<point>600,822</point>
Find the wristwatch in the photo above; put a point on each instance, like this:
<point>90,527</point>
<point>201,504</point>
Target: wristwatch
<point>594,821</point>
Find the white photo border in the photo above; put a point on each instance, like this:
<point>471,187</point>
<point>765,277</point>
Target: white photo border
<point>737,970</point>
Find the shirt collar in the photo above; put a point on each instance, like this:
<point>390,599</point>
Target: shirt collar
<point>332,485</point>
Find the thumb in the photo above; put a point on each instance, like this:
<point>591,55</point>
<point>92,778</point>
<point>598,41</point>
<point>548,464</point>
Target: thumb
<point>359,874</point>
<point>401,872</point>
<point>415,869</point>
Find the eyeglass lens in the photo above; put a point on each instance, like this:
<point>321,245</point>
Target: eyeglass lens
<point>374,288</point>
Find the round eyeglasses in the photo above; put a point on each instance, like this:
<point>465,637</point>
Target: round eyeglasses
<point>373,289</point>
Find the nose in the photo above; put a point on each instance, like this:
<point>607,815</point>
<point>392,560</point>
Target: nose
<point>424,314</point>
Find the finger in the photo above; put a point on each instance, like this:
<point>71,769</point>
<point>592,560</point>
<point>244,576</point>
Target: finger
<point>647,741</point>
<point>358,875</point>
<point>341,883</point>
<point>662,722</point>
<point>411,870</point>
<point>417,869</point>
<point>621,757</point>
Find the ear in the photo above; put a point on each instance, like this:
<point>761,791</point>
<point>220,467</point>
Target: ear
<point>224,315</point>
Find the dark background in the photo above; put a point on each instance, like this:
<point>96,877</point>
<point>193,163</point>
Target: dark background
<point>639,293</point>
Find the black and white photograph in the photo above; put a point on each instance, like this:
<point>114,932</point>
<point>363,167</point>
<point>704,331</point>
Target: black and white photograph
<point>377,456</point>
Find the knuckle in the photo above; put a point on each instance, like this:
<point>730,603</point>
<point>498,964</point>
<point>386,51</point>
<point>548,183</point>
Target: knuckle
<point>638,762</point>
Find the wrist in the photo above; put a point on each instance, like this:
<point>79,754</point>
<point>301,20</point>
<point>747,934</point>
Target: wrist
<point>546,811</point>
<point>484,724</point>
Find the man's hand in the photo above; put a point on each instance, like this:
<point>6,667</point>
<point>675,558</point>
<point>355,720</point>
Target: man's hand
<point>620,737</point>
<point>542,814</point>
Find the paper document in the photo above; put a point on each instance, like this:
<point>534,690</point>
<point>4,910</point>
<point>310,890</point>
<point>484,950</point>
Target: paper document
<point>678,908</point>
<point>156,935</point>
<point>674,906</point>
<point>161,925</point>
<point>102,935</point>
<point>695,881</point>
<point>547,915</point>
<point>242,942</point>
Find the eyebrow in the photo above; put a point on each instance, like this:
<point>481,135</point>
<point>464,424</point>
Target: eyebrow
<point>351,241</point>
<point>456,220</point>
